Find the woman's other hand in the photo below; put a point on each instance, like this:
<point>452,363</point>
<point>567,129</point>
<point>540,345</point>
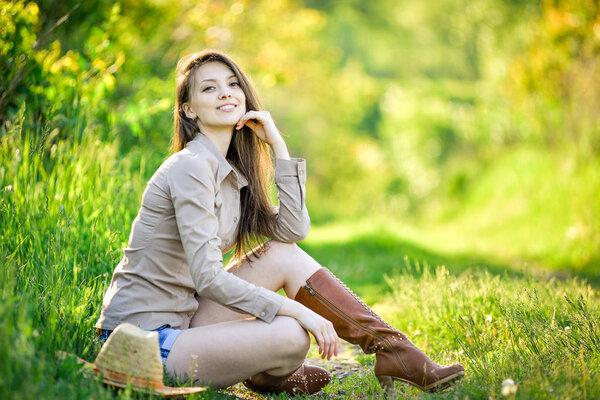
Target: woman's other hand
<point>263,126</point>
<point>319,327</point>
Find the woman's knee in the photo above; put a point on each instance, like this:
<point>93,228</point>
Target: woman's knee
<point>291,338</point>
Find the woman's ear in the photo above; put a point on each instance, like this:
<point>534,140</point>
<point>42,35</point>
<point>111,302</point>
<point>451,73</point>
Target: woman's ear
<point>188,111</point>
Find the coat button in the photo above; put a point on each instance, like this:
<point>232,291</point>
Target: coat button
<point>262,313</point>
<point>235,219</point>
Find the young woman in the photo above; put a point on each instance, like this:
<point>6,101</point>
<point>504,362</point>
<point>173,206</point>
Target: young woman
<point>211,196</point>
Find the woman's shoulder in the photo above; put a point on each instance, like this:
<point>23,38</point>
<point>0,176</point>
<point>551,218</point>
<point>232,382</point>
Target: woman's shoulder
<point>185,162</point>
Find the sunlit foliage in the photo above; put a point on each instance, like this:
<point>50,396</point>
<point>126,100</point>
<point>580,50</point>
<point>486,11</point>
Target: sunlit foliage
<point>459,132</point>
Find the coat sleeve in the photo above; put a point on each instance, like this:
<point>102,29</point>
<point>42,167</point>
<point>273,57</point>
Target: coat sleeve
<point>293,222</point>
<point>193,187</point>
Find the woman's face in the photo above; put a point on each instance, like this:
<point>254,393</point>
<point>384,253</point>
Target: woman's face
<point>217,99</point>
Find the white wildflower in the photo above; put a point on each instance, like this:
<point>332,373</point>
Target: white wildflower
<point>488,318</point>
<point>567,329</point>
<point>508,387</point>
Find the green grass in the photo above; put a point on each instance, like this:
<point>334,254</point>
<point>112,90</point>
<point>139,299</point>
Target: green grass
<point>66,210</point>
<point>532,206</point>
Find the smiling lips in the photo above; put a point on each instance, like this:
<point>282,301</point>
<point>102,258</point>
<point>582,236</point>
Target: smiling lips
<point>227,107</point>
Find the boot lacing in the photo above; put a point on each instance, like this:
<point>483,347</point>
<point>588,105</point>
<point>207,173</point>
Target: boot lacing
<point>378,346</point>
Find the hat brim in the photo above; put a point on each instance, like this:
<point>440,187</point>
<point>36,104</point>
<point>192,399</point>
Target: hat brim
<point>167,391</point>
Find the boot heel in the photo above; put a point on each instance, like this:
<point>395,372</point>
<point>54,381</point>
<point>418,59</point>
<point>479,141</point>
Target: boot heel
<point>386,382</point>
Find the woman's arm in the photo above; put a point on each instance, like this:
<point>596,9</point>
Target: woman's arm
<point>293,222</point>
<point>280,151</point>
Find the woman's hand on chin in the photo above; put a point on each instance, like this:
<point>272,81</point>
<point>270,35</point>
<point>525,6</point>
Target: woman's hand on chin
<point>263,126</point>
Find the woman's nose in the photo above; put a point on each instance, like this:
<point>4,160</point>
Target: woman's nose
<point>225,93</point>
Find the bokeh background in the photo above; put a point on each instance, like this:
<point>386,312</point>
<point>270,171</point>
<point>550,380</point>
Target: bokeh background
<point>453,149</point>
<point>476,122</point>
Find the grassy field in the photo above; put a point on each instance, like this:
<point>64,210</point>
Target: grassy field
<point>66,211</point>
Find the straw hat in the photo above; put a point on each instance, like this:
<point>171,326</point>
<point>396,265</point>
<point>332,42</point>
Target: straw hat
<point>131,355</point>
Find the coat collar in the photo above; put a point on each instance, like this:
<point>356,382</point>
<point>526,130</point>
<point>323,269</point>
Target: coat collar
<point>225,167</point>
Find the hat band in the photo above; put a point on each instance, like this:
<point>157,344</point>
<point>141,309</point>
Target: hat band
<point>119,377</point>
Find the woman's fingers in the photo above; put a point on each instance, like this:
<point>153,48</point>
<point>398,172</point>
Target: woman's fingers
<point>257,115</point>
<point>320,341</point>
<point>332,349</point>
<point>330,341</point>
<point>329,345</point>
<point>323,338</point>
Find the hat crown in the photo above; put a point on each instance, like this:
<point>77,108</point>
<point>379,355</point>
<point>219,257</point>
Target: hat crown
<point>131,354</point>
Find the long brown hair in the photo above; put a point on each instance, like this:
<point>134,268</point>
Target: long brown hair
<point>247,152</point>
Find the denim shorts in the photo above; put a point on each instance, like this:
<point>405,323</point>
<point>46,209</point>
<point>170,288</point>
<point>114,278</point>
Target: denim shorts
<point>166,338</point>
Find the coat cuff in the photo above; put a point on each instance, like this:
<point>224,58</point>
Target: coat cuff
<point>294,168</point>
<point>267,305</point>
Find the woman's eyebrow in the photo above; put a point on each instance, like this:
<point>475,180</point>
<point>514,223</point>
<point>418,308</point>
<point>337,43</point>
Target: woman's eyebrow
<point>214,80</point>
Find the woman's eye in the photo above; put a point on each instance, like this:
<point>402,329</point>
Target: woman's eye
<point>235,84</point>
<point>208,88</point>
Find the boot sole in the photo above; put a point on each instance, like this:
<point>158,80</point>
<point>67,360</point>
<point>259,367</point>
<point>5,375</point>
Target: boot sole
<point>387,382</point>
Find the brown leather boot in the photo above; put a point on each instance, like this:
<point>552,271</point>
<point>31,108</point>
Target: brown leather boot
<point>396,357</point>
<point>307,379</point>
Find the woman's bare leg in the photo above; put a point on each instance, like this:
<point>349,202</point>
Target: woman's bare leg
<point>227,353</point>
<point>223,347</point>
<point>282,265</point>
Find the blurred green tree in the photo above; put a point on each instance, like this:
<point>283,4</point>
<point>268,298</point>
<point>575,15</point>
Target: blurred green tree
<point>554,82</point>
<point>386,99</point>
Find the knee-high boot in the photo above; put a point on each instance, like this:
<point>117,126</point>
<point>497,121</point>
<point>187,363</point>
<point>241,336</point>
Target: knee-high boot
<point>396,358</point>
